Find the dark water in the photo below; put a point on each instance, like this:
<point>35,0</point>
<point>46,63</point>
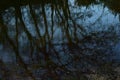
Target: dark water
<point>54,40</point>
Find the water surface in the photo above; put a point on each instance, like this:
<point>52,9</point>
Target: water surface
<point>67,36</point>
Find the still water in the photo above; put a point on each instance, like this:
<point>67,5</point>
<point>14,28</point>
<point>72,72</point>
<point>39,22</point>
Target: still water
<point>61,38</point>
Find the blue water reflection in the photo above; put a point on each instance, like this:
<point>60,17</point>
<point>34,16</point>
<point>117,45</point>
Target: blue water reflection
<point>77,35</point>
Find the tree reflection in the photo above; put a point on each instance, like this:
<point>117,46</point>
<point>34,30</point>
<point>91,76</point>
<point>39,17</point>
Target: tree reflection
<point>113,5</point>
<point>85,2</point>
<point>57,46</point>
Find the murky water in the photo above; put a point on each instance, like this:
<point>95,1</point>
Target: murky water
<point>67,34</point>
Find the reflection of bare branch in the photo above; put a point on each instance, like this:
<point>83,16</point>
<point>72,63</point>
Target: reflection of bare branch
<point>35,20</point>
<point>52,21</point>
<point>21,62</point>
<point>98,18</point>
<point>19,15</point>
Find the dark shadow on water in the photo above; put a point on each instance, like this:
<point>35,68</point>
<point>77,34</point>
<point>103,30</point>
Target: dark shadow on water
<point>42,41</point>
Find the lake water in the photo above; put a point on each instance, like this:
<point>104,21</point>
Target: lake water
<point>74,33</point>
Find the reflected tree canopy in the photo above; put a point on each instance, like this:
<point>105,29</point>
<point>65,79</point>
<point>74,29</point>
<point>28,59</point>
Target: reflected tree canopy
<point>56,40</point>
<point>113,5</point>
<point>85,2</point>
